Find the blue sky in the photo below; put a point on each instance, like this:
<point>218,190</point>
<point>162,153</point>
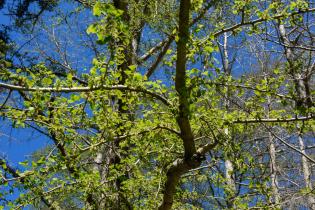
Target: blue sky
<point>16,144</point>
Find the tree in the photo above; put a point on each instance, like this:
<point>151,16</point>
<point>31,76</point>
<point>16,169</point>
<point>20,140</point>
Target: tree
<point>162,119</point>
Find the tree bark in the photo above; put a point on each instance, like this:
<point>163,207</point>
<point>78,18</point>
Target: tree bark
<point>302,100</point>
<point>273,161</point>
<point>229,168</point>
<point>180,80</point>
<point>306,173</point>
<point>273,170</point>
<point>107,157</point>
<point>189,161</point>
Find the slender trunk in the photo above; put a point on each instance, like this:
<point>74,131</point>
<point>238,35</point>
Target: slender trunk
<point>226,62</point>
<point>300,80</point>
<point>230,179</point>
<point>273,162</point>
<point>306,173</point>
<point>273,170</point>
<point>229,168</point>
<point>302,100</point>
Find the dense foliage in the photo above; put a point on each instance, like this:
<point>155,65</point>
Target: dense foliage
<point>186,104</point>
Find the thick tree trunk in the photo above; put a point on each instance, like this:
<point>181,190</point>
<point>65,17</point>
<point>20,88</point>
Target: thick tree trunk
<point>189,161</point>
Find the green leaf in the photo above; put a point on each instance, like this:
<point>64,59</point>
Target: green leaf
<point>24,163</point>
<point>69,77</point>
<point>4,165</point>
<point>47,81</point>
<point>91,29</point>
<point>209,49</point>
<point>97,9</point>
<point>132,67</point>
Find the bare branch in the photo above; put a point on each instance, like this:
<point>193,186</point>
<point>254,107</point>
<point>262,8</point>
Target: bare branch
<point>84,89</point>
<point>274,120</point>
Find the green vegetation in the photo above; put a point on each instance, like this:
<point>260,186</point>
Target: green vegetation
<point>187,105</point>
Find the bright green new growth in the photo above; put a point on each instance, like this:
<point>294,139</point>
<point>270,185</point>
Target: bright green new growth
<point>125,138</point>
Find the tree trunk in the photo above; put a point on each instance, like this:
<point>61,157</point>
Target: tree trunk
<point>306,173</point>
<point>302,100</point>
<point>273,171</point>
<point>107,157</point>
<point>273,161</point>
<point>229,168</point>
<point>189,161</point>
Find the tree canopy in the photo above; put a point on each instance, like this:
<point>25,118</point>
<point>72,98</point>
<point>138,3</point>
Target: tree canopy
<point>189,104</point>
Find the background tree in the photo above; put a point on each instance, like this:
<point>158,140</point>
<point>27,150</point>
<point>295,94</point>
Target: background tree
<point>186,104</point>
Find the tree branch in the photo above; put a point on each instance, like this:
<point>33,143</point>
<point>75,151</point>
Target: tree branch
<point>159,58</point>
<point>292,147</point>
<point>21,177</point>
<point>84,89</point>
<point>275,120</point>
<point>258,20</point>
<point>165,44</point>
